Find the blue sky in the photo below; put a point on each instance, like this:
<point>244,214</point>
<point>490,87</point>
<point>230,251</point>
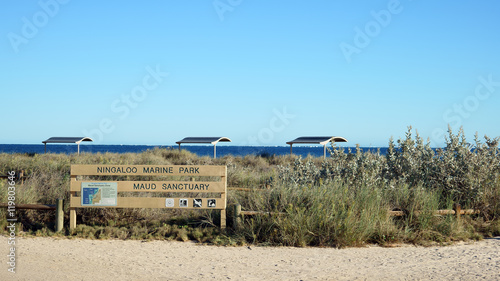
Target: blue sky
<point>258,72</point>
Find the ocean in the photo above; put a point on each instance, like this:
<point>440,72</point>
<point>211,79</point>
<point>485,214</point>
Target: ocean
<point>200,150</point>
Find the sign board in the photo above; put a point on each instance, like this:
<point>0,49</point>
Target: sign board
<point>99,193</point>
<point>187,180</point>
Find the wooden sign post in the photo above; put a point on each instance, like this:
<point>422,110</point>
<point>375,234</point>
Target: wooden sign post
<point>105,194</point>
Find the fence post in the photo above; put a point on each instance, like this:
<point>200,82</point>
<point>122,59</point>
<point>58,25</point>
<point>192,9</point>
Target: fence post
<point>21,176</point>
<point>59,215</point>
<point>458,210</point>
<point>237,217</point>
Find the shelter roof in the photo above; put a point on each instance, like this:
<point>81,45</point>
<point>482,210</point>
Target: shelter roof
<point>211,140</point>
<point>318,140</point>
<point>66,140</point>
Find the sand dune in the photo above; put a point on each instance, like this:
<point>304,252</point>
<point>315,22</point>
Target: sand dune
<point>76,259</point>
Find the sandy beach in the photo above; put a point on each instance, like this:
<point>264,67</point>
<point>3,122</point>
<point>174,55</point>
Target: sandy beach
<point>77,259</point>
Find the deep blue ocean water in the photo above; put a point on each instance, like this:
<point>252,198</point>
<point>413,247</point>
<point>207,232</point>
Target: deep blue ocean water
<point>201,150</point>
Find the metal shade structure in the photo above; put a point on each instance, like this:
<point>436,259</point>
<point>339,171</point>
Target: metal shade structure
<point>76,140</point>
<point>211,140</point>
<point>316,140</point>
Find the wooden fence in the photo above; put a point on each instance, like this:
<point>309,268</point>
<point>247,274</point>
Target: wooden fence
<point>59,208</point>
<point>238,214</point>
<point>19,176</point>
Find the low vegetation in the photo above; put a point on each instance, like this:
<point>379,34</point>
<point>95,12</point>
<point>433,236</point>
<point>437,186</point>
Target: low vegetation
<point>341,201</point>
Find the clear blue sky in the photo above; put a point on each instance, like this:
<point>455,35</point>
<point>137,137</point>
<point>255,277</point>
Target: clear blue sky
<point>258,72</point>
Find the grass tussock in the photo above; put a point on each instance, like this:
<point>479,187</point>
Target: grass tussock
<point>341,201</point>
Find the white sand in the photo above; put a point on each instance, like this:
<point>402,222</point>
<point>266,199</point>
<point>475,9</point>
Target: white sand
<point>76,259</point>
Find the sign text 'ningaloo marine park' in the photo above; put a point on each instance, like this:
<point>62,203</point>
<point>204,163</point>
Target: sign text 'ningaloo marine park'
<point>148,170</point>
<point>173,170</point>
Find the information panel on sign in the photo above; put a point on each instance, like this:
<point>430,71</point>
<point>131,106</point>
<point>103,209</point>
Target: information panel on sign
<point>99,193</point>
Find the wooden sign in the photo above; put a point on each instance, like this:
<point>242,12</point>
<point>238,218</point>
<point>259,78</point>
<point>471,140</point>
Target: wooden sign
<point>105,194</point>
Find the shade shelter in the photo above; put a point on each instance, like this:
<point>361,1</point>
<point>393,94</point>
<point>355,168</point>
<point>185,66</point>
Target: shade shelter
<point>76,140</point>
<point>316,140</point>
<point>211,140</point>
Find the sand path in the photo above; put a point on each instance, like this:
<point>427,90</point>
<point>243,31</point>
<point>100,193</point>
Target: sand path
<point>76,259</point>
